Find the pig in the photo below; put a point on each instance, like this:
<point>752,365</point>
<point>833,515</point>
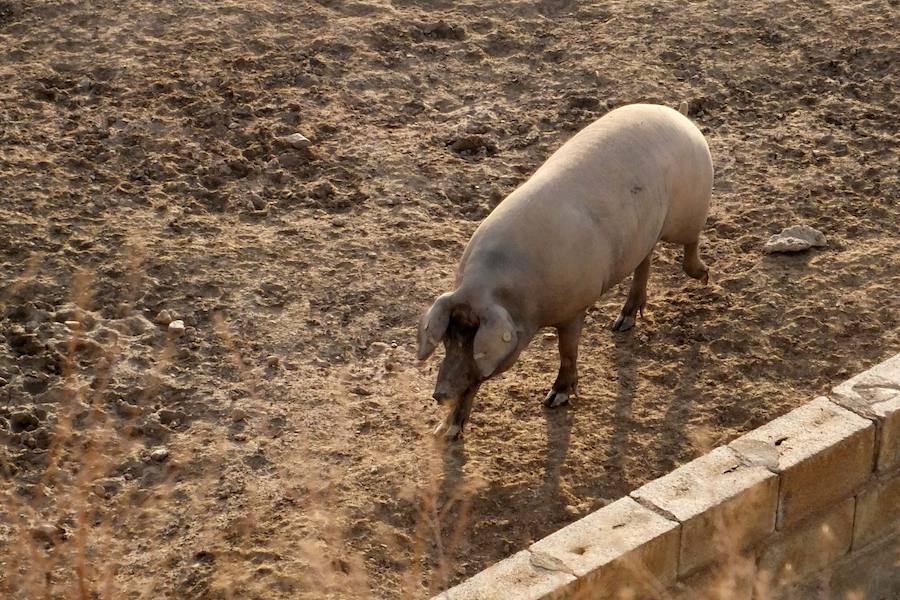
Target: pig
<point>586,219</point>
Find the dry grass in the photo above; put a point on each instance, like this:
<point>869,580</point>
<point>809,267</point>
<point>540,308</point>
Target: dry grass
<point>61,535</point>
<point>64,526</point>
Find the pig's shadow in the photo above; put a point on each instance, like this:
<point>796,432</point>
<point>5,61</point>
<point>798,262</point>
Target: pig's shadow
<point>454,459</point>
<point>559,427</point>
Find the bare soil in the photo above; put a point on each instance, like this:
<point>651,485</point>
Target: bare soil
<point>141,171</point>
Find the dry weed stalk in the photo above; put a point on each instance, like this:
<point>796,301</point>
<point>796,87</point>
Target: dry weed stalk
<point>60,537</point>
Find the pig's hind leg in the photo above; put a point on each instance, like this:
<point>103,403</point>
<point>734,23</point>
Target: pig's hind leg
<point>637,296</point>
<point>564,386</point>
<point>693,265</point>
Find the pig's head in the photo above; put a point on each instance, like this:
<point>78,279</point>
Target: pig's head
<point>478,343</point>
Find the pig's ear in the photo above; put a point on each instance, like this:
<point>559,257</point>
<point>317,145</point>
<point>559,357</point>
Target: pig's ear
<point>433,326</point>
<point>495,341</point>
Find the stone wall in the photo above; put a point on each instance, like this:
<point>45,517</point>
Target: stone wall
<point>806,506</point>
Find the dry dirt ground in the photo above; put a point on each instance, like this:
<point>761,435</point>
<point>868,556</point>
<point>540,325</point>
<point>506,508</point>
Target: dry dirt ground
<point>140,171</point>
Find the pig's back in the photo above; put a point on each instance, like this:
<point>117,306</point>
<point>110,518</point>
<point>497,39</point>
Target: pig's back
<point>592,212</point>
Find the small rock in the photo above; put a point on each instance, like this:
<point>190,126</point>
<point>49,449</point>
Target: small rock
<point>164,317</point>
<point>757,453</point>
<point>257,202</point>
<point>170,417</point>
<point>273,166</point>
<point>23,421</point>
<point>795,239</point>
<point>371,254</point>
<point>471,144</point>
<point>548,561</point>
<point>107,488</point>
<point>238,414</point>
<point>360,391</point>
<point>73,325</point>
<point>159,454</point>
<point>549,336</point>
<point>132,326</point>
<point>47,532</point>
<point>76,314</point>
<point>297,140</point>
<point>128,410</point>
<point>377,348</point>
<point>272,361</point>
<point>176,328</point>
<point>322,190</point>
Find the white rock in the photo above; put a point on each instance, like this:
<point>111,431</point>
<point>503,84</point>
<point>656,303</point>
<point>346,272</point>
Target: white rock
<point>159,454</point>
<point>164,317</point>
<point>795,239</point>
<point>176,328</point>
<point>297,140</point>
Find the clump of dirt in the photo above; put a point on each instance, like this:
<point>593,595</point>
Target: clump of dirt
<point>277,445</point>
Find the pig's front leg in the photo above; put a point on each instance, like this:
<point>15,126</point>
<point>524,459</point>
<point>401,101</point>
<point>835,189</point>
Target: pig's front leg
<point>564,386</point>
<point>456,419</point>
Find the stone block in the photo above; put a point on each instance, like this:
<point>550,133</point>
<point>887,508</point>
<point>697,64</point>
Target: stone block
<point>876,394</point>
<point>872,573</point>
<point>877,512</point>
<point>513,577</point>
<point>722,503</point>
<point>821,451</point>
<point>622,550</point>
<point>792,555</point>
<point>734,581</point>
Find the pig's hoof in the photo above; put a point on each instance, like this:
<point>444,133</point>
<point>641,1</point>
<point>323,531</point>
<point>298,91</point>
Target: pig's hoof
<point>623,323</point>
<point>447,432</point>
<point>555,399</point>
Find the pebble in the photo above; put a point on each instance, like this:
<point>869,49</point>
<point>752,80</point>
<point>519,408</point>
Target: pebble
<point>73,325</point>
<point>176,328</point>
<point>795,239</point>
<point>257,202</point>
<point>159,454</point>
<point>132,326</point>
<point>272,361</point>
<point>757,453</point>
<point>239,414</point>
<point>297,140</point>
<point>23,421</point>
<point>371,254</point>
<point>164,317</point>
<point>47,532</point>
<point>377,348</point>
